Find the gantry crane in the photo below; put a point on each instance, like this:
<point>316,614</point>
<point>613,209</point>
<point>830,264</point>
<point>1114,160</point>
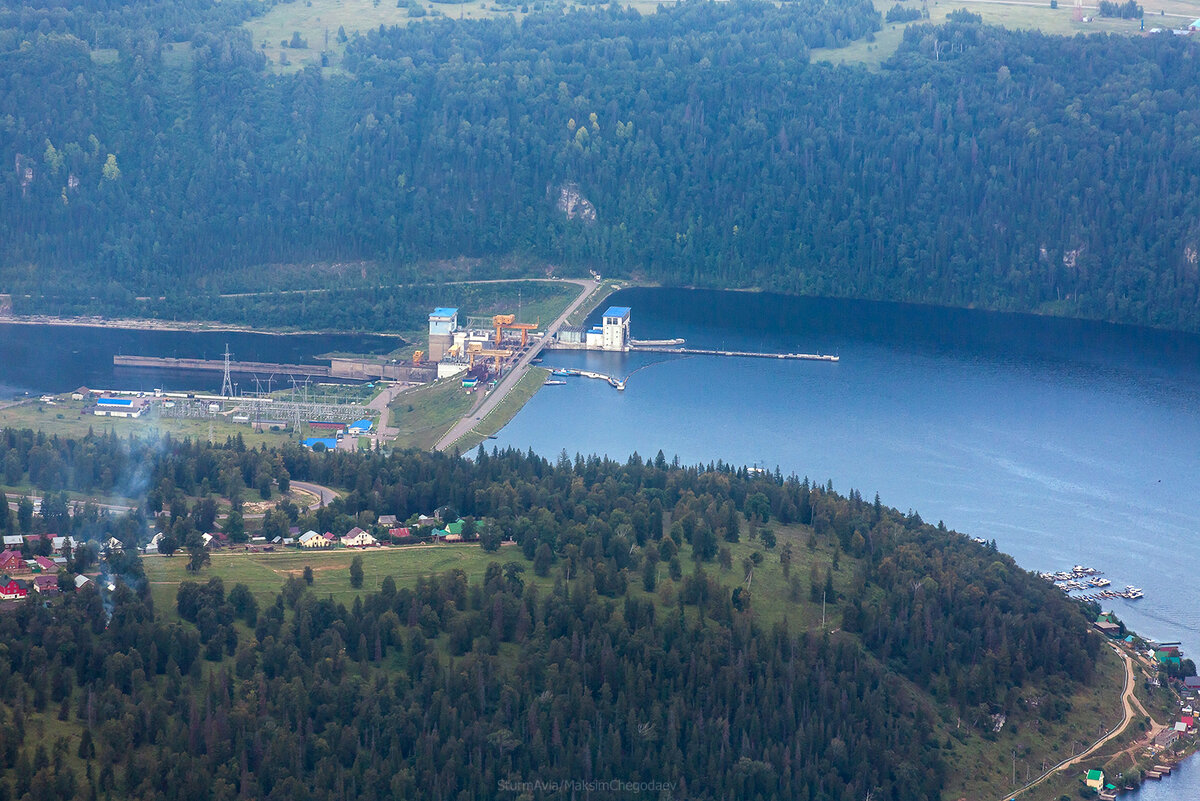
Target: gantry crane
<point>503,321</point>
<point>489,353</point>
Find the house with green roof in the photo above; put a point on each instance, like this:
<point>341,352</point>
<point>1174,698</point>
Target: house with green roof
<point>1094,779</point>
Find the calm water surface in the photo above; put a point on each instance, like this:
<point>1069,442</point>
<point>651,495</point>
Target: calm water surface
<point>57,358</point>
<point>1067,442</point>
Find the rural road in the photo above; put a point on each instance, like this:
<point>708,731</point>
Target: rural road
<point>514,373</point>
<point>14,500</point>
<point>1128,700</point>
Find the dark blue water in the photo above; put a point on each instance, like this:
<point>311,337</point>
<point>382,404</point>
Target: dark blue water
<point>48,358</point>
<point>1067,442</point>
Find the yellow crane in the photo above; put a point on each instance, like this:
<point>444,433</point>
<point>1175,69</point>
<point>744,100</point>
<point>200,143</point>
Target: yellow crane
<point>489,353</point>
<point>503,321</point>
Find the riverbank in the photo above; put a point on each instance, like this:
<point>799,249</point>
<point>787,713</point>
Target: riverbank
<point>192,326</point>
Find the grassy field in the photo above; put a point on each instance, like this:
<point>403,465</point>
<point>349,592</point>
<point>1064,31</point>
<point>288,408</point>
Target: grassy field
<point>507,409</point>
<point>317,22</point>
<point>1014,14</point>
<point>66,418</point>
<point>423,414</point>
<point>265,573</point>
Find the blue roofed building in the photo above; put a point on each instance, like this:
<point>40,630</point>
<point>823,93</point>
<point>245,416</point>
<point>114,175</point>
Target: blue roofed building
<point>330,443</point>
<point>443,322</point>
<point>615,328</point>
<point>359,427</point>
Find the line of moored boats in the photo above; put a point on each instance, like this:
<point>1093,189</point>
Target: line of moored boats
<point>1080,578</point>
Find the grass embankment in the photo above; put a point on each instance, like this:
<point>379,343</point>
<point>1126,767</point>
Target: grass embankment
<point>424,413</point>
<point>599,294</point>
<point>506,410</point>
<point>67,418</point>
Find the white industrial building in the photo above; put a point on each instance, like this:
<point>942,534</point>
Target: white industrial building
<point>443,322</point>
<point>615,330</point>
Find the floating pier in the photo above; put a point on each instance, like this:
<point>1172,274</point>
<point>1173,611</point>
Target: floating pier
<point>812,357</point>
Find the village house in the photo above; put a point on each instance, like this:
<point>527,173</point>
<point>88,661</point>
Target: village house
<point>357,538</point>
<point>12,591</point>
<point>1166,738</point>
<point>46,585</point>
<point>1094,779</point>
<point>13,540</point>
<point>401,533</point>
<point>58,543</point>
<point>81,582</point>
<point>311,539</point>
<point>43,564</point>
<point>11,563</point>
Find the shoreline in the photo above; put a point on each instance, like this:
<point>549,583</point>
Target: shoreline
<point>194,327</point>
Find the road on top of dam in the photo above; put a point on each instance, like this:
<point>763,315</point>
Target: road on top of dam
<point>514,374</point>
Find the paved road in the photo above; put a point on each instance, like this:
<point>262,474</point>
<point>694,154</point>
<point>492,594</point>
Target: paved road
<point>325,494</point>
<point>515,373</point>
<point>14,500</point>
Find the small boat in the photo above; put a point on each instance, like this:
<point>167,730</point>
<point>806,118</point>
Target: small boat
<point>563,372</point>
<point>555,383</point>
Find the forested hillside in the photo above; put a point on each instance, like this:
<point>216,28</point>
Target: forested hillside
<point>611,640</point>
<point>1004,169</point>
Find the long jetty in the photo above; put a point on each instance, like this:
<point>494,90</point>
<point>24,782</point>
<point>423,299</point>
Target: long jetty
<point>813,357</point>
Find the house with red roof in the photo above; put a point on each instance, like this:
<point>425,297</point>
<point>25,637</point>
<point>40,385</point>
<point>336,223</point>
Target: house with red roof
<point>11,562</point>
<point>401,533</point>
<point>46,585</point>
<point>12,591</point>
<point>44,564</point>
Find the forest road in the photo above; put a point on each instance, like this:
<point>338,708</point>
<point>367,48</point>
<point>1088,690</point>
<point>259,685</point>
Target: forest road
<point>1127,702</point>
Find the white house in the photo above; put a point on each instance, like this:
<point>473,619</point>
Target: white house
<point>114,545</point>
<point>357,538</point>
<point>80,581</point>
<point>152,546</point>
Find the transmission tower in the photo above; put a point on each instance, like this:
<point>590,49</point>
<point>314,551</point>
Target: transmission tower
<point>227,382</point>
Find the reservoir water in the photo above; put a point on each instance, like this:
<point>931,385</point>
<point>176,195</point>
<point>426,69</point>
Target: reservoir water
<point>59,358</point>
<point>1067,442</point>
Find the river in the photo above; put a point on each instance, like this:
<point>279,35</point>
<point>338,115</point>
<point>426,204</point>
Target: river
<point>57,358</point>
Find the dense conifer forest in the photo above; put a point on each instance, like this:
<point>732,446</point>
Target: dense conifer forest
<point>626,665</point>
<point>979,166</point>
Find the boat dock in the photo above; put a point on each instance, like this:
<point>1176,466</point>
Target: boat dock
<point>1089,578</point>
<point>813,357</point>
